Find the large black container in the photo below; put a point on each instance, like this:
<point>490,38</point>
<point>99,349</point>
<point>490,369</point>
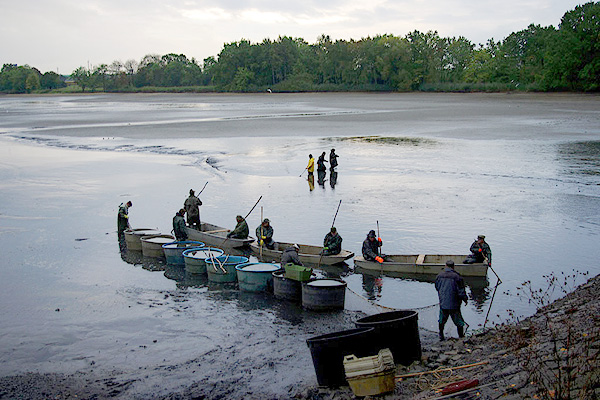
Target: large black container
<point>324,294</point>
<point>398,331</point>
<point>328,352</point>
<point>286,289</point>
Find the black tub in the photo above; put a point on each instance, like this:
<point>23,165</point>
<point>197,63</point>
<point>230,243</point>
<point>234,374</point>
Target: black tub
<point>286,289</point>
<point>324,294</point>
<point>398,331</point>
<point>328,352</point>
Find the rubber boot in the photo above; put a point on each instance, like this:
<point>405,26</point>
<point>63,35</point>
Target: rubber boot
<point>461,331</point>
<point>442,332</point>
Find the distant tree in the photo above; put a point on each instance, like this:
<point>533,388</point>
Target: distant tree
<point>82,77</point>
<point>51,80</point>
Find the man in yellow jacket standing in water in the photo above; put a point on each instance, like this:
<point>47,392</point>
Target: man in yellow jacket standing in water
<point>311,165</point>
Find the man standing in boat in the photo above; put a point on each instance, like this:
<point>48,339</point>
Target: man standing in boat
<point>123,217</point>
<point>480,252</point>
<point>241,229</point>
<point>193,213</point>
<point>264,233</point>
<point>179,226</point>
<point>332,244</point>
<point>370,247</point>
<point>451,292</point>
<point>290,256</point>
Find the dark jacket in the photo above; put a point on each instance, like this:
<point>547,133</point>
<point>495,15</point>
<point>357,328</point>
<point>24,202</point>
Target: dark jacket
<point>321,163</point>
<point>332,243</point>
<point>485,252</point>
<point>290,256</point>
<point>191,205</point>
<point>179,227</point>
<point>451,289</point>
<point>333,159</point>
<point>370,249</point>
<point>265,231</point>
<point>241,230</point>
<point>123,218</point>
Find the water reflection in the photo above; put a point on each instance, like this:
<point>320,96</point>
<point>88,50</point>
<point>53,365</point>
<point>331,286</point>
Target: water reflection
<point>321,178</point>
<point>311,182</point>
<point>581,158</point>
<point>333,178</point>
<point>138,259</point>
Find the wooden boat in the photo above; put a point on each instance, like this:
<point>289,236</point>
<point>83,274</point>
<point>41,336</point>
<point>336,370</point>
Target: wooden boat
<point>431,264</point>
<point>308,254</point>
<point>216,236</point>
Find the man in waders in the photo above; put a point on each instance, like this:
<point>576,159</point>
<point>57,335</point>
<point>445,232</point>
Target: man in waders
<point>333,160</point>
<point>451,292</point>
<point>193,213</point>
<point>241,229</point>
<point>480,252</point>
<point>179,226</point>
<point>290,255</point>
<point>264,233</point>
<point>370,247</point>
<point>123,217</point>
<point>311,165</point>
<point>332,243</point>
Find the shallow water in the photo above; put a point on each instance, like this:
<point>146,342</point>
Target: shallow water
<point>521,169</point>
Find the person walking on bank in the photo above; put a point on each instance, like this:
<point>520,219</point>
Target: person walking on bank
<point>179,226</point>
<point>311,165</point>
<point>123,217</point>
<point>370,247</point>
<point>290,256</point>
<point>333,160</point>
<point>241,230</point>
<point>480,252</point>
<point>332,244</point>
<point>451,292</point>
<point>264,234</point>
<point>193,213</point>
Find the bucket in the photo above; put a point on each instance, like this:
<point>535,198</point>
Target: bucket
<point>285,288</point>
<point>256,277</point>
<point>398,331</point>
<point>324,294</point>
<point>152,245</point>
<point>133,236</point>
<point>328,352</point>
<point>194,258</point>
<point>174,250</point>
<point>221,269</point>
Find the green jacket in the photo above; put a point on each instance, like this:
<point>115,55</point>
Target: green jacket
<point>266,231</point>
<point>485,251</point>
<point>332,244</point>
<point>241,230</point>
<point>123,217</point>
<point>179,227</point>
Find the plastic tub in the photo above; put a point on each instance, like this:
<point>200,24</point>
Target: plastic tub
<point>133,236</point>
<point>328,352</point>
<point>221,269</point>
<point>297,272</point>
<point>324,294</point>
<point>152,245</point>
<point>285,288</point>
<point>174,250</point>
<point>256,277</point>
<point>398,331</point>
<point>195,258</point>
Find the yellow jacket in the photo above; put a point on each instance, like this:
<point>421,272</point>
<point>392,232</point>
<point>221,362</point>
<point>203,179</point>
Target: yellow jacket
<point>311,165</point>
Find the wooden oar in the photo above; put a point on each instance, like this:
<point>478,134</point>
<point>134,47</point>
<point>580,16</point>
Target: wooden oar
<point>332,224</point>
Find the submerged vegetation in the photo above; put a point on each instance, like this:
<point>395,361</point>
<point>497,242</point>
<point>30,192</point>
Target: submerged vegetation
<point>397,140</point>
<point>536,59</point>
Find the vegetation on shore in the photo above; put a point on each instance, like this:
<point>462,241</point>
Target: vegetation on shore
<point>534,59</point>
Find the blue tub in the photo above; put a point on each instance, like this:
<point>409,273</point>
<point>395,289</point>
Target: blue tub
<point>222,269</point>
<point>256,277</point>
<point>195,258</point>
<point>174,250</point>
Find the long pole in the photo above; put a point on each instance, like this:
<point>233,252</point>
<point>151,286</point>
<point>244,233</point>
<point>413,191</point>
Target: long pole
<point>260,241</point>
<point>378,236</point>
<point>204,187</point>
<point>332,224</point>
<point>249,212</point>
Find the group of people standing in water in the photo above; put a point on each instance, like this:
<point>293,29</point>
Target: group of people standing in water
<point>322,169</point>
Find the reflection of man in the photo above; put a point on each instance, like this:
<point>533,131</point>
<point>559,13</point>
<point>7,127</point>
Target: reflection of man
<point>311,182</point>
<point>332,244</point>
<point>370,247</point>
<point>179,226</point>
<point>480,252</point>
<point>332,177</point>
<point>451,292</point>
<point>264,233</point>
<point>123,217</point>
<point>241,229</point>
<point>191,208</point>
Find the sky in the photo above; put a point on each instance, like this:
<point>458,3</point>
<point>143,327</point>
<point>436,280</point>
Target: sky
<point>62,35</point>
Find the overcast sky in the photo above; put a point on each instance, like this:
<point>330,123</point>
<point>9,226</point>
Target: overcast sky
<point>61,35</point>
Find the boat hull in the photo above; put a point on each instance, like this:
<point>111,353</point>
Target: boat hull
<point>422,264</point>
<point>310,255</point>
<point>216,236</point>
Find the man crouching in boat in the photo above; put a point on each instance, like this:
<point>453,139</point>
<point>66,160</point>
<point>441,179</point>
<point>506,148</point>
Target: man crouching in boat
<point>179,226</point>
<point>451,292</point>
<point>241,229</point>
<point>264,233</point>
<point>480,252</point>
<point>290,255</point>
<point>332,244</point>
<point>370,247</point>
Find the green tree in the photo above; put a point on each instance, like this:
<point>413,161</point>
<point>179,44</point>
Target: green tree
<point>82,77</point>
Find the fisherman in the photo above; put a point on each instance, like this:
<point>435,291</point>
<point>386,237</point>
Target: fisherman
<point>370,247</point>
<point>333,159</point>
<point>311,165</point>
<point>241,229</point>
<point>123,217</point>
<point>179,226</point>
<point>480,252</point>
<point>290,255</point>
<point>321,163</point>
<point>193,213</point>
<point>451,292</point>
<point>264,233</point>
<point>332,244</point>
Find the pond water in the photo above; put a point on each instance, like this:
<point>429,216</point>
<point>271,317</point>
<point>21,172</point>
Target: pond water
<point>429,171</point>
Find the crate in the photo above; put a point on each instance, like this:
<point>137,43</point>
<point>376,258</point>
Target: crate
<point>297,272</point>
<point>370,376</point>
<point>373,384</point>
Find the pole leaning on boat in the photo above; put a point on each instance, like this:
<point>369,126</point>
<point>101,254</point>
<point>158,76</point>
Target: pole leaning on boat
<point>332,225</point>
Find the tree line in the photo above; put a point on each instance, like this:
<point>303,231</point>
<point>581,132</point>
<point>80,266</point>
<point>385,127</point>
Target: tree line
<point>536,58</point>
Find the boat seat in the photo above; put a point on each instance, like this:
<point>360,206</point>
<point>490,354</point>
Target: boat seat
<point>421,259</point>
<point>217,231</point>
